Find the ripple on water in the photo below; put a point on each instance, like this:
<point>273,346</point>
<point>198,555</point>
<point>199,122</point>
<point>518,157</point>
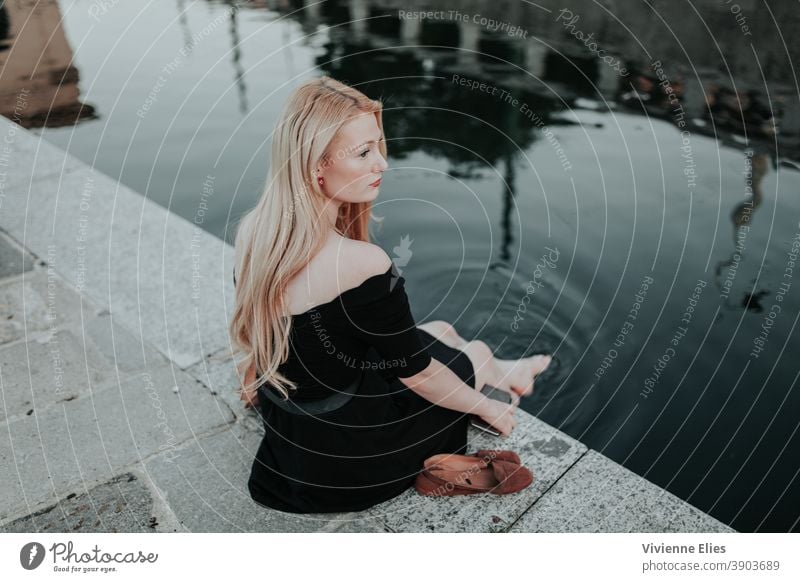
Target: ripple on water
<point>482,304</point>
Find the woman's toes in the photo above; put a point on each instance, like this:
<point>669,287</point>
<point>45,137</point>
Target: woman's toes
<point>523,383</point>
<point>540,363</point>
<point>520,374</point>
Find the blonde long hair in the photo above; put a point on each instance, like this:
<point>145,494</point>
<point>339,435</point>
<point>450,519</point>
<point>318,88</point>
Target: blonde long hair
<point>279,237</point>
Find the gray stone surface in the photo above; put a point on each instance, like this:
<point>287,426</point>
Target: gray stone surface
<point>122,504</point>
<point>218,373</point>
<point>51,368</point>
<point>14,260</point>
<point>56,365</point>
<point>355,522</point>
<point>87,439</point>
<point>546,451</point>
<point>599,495</point>
<point>206,487</point>
<point>155,270</point>
<point>29,159</point>
<point>38,301</point>
<point>687,518</point>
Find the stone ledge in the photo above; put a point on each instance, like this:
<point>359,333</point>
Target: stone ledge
<point>206,488</point>
<point>121,505</point>
<point>39,301</point>
<point>153,269</point>
<point>14,259</point>
<point>91,437</point>
<point>546,451</point>
<point>217,372</point>
<point>598,495</point>
<point>62,345</point>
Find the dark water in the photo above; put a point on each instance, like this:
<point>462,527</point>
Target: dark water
<point>638,220</point>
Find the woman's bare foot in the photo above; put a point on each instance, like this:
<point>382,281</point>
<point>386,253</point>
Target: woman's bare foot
<point>518,375</point>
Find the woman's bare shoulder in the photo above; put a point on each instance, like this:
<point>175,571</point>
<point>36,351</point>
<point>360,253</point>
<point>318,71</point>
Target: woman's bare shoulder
<point>364,260</point>
<point>342,264</point>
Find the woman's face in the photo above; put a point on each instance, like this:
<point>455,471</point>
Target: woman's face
<point>355,164</point>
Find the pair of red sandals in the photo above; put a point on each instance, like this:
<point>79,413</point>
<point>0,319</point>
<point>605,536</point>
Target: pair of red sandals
<point>487,471</point>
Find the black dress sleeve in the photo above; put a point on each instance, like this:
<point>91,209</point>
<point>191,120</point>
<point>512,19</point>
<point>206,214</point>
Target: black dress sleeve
<point>382,318</point>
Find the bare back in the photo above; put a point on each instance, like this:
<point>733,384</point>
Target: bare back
<point>341,265</point>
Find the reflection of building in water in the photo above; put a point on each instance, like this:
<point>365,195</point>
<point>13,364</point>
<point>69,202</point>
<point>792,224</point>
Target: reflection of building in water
<point>711,38</point>
<point>35,60</point>
<point>756,167</point>
<point>236,55</point>
<point>725,87</point>
<point>590,55</point>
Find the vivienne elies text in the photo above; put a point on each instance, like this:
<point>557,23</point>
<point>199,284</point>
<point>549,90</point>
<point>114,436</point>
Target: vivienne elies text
<point>701,548</point>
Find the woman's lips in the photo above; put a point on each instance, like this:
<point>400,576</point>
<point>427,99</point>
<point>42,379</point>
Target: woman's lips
<point>376,184</point>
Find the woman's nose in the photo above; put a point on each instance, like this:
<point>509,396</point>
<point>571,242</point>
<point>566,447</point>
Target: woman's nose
<point>382,165</point>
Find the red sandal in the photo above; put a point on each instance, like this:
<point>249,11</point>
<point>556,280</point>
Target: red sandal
<point>487,471</point>
<point>458,461</point>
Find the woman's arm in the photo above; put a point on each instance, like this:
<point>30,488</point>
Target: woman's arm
<point>440,385</point>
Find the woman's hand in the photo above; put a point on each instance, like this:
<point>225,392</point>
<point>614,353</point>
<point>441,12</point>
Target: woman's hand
<point>250,399</point>
<point>500,416</point>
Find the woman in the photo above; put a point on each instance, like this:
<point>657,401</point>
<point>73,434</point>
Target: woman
<point>354,396</point>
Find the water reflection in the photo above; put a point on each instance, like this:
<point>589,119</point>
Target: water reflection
<point>37,69</point>
<point>236,57</point>
<point>755,169</point>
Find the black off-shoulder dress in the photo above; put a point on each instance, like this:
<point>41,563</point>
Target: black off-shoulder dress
<point>371,448</point>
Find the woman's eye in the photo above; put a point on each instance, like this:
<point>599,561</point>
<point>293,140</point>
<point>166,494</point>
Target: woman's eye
<point>365,152</point>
